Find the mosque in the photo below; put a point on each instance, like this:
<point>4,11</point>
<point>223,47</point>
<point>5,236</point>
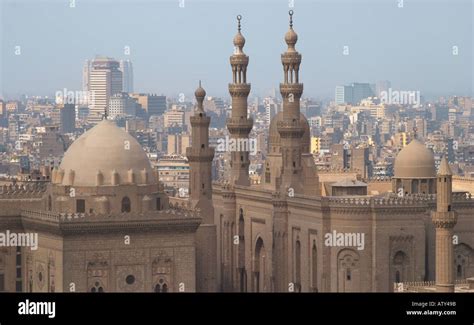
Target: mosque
<point>104,223</point>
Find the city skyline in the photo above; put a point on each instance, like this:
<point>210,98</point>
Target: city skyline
<point>201,51</point>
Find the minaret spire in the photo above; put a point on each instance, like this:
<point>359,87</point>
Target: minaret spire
<point>200,157</point>
<point>444,220</point>
<point>290,129</point>
<point>239,125</point>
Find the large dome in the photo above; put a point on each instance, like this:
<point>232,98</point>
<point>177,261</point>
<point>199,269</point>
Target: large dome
<point>415,161</point>
<point>274,140</point>
<point>108,153</point>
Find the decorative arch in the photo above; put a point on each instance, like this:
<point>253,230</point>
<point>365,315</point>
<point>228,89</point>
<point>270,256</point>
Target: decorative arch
<point>348,271</point>
<point>298,266</point>
<point>259,266</point>
<point>126,204</point>
<point>400,265</point>
<point>463,261</point>
<point>314,266</point>
<point>241,257</point>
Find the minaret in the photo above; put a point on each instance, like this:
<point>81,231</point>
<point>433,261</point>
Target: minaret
<point>290,129</point>
<point>239,125</point>
<point>200,157</point>
<point>444,220</point>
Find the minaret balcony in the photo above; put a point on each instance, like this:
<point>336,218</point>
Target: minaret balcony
<point>239,89</point>
<point>197,120</point>
<point>239,59</point>
<point>239,126</point>
<point>291,58</point>
<point>199,154</point>
<point>287,90</point>
<point>444,219</point>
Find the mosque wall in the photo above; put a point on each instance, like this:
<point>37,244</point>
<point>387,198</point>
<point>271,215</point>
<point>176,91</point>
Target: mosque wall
<point>150,262</point>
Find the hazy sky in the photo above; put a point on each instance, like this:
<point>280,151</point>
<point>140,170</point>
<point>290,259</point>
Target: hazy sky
<point>172,47</point>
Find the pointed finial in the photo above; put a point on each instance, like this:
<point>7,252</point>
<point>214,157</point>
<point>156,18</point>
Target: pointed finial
<point>291,18</point>
<point>239,18</point>
<point>239,40</point>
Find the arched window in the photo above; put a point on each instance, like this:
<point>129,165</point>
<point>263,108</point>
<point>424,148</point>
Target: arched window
<point>126,204</point>
<point>97,287</point>
<point>242,273</point>
<point>259,267</point>
<point>50,204</point>
<point>314,267</point>
<point>298,266</point>
<point>397,277</point>
<point>161,286</point>
<point>459,271</point>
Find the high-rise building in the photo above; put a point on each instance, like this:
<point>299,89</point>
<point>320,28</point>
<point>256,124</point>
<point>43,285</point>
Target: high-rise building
<point>85,75</point>
<point>105,80</point>
<point>51,144</point>
<point>127,72</point>
<point>382,85</point>
<point>67,118</point>
<point>122,104</point>
<point>354,93</point>
<point>151,103</point>
<point>3,109</point>
<point>343,95</point>
<point>361,91</point>
<point>177,143</point>
<point>174,117</point>
<point>271,109</point>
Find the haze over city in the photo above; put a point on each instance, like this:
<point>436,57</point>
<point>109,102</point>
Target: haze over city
<point>411,45</point>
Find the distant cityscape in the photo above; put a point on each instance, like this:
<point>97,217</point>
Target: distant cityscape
<point>373,119</point>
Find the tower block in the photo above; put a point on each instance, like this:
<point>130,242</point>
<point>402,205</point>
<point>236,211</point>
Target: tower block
<point>200,157</point>
<point>444,220</point>
<point>239,125</point>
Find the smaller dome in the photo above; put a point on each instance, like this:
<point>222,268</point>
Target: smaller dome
<point>291,38</point>
<point>415,161</point>
<point>239,40</point>
<point>200,92</point>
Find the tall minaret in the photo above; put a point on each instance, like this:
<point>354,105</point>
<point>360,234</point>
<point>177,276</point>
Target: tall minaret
<point>290,129</point>
<point>444,220</point>
<point>238,124</point>
<point>200,157</point>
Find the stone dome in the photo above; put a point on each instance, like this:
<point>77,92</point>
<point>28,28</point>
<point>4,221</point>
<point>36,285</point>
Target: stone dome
<point>415,161</point>
<point>291,37</point>
<point>105,155</point>
<point>239,40</point>
<point>274,139</point>
<point>200,92</point>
